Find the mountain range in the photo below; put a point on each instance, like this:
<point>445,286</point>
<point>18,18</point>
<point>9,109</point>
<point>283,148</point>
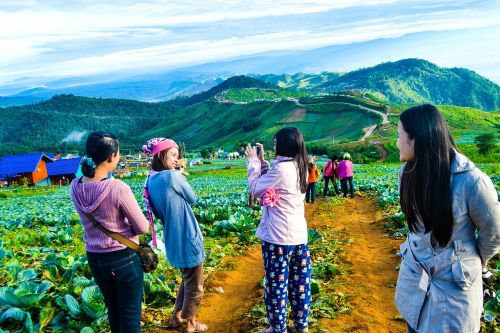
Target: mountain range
<point>238,110</point>
<point>406,81</point>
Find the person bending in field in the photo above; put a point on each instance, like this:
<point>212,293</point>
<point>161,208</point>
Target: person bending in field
<point>170,197</point>
<point>453,216</point>
<point>116,268</point>
<point>283,228</point>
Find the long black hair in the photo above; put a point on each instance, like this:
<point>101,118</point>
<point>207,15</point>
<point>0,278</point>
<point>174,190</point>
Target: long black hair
<point>99,147</point>
<point>290,143</point>
<point>425,190</point>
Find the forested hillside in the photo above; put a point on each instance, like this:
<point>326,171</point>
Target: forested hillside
<point>59,123</point>
<point>406,81</point>
<point>235,112</point>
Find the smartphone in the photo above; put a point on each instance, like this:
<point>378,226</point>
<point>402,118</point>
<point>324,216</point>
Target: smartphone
<point>259,151</point>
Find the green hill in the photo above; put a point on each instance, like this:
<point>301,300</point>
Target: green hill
<point>247,95</point>
<point>238,111</point>
<point>419,81</point>
<point>407,81</point>
<point>59,123</point>
<point>240,81</point>
<point>226,124</point>
<point>299,80</point>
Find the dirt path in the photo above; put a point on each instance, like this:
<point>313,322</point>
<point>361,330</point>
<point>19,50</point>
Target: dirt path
<point>383,153</point>
<point>370,264</point>
<point>225,312</point>
<point>368,132</point>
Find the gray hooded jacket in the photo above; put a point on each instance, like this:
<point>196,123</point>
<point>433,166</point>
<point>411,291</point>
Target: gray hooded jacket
<point>439,289</point>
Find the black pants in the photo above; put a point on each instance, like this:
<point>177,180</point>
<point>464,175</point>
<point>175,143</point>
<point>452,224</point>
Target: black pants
<point>120,278</point>
<point>344,182</point>
<point>335,186</point>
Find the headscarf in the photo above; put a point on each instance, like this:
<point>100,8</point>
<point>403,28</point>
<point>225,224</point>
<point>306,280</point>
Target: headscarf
<point>150,149</point>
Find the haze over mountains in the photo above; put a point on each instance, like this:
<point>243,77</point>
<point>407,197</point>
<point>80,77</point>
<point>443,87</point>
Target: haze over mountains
<point>404,81</point>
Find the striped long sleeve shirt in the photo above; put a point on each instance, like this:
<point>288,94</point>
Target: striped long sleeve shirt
<point>113,204</point>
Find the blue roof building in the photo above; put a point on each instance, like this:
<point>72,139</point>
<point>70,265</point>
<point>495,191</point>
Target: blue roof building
<point>66,166</point>
<point>30,168</point>
<point>63,170</point>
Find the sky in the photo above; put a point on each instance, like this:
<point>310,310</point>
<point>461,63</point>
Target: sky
<point>61,39</point>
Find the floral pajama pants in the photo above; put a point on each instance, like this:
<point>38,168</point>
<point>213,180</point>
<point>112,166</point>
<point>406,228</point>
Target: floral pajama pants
<point>288,275</point>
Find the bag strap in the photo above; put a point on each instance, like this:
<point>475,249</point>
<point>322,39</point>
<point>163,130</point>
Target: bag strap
<point>151,210</point>
<point>116,236</point>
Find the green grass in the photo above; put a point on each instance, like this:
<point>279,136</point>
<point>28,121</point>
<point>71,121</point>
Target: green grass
<point>465,118</point>
<point>227,124</point>
<point>253,94</point>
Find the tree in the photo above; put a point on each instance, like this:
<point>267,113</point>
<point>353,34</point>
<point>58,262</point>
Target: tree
<point>485,143</point>
<point>240,146</point>
<point>205,153</point>
<point>182,148</point>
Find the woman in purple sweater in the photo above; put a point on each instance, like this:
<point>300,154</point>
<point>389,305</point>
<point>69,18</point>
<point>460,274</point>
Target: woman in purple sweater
<point>116,268</point>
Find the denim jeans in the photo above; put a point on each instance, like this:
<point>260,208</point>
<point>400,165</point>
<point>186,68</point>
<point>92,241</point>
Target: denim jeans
<point>311,192</point>
<point>120,278</point>
<point>335,186</point>
<point>343,183</point>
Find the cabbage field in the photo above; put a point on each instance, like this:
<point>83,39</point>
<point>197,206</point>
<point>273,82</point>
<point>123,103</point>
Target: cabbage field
<point>46,284</point>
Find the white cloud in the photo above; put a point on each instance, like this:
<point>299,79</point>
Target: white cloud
<point>90,37</point>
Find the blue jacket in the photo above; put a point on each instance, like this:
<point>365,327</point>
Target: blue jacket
<point>171,197</point>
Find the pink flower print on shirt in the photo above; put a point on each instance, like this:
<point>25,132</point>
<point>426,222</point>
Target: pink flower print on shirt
<point>270,198</point>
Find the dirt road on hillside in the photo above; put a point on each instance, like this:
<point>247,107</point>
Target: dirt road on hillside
<point>370,263</point>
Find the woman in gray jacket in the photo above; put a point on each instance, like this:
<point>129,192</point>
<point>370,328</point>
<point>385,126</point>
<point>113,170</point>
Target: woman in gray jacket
<point>446,199</point>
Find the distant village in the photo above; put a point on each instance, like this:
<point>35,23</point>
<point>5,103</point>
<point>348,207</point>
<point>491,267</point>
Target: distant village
<point>40,169</point>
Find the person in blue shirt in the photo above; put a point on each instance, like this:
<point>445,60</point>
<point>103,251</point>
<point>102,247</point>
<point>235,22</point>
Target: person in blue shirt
<point>171,197</point>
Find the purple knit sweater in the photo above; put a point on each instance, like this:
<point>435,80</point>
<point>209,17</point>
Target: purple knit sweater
<point>113,204</point>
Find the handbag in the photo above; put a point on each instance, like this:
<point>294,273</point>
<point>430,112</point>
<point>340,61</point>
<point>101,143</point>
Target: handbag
<point>149,259</point>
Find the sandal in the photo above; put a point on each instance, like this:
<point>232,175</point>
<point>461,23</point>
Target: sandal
<point>267,330</point>
<point>199,327</point>
<point>294,329</point>
<point>179,323</point>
